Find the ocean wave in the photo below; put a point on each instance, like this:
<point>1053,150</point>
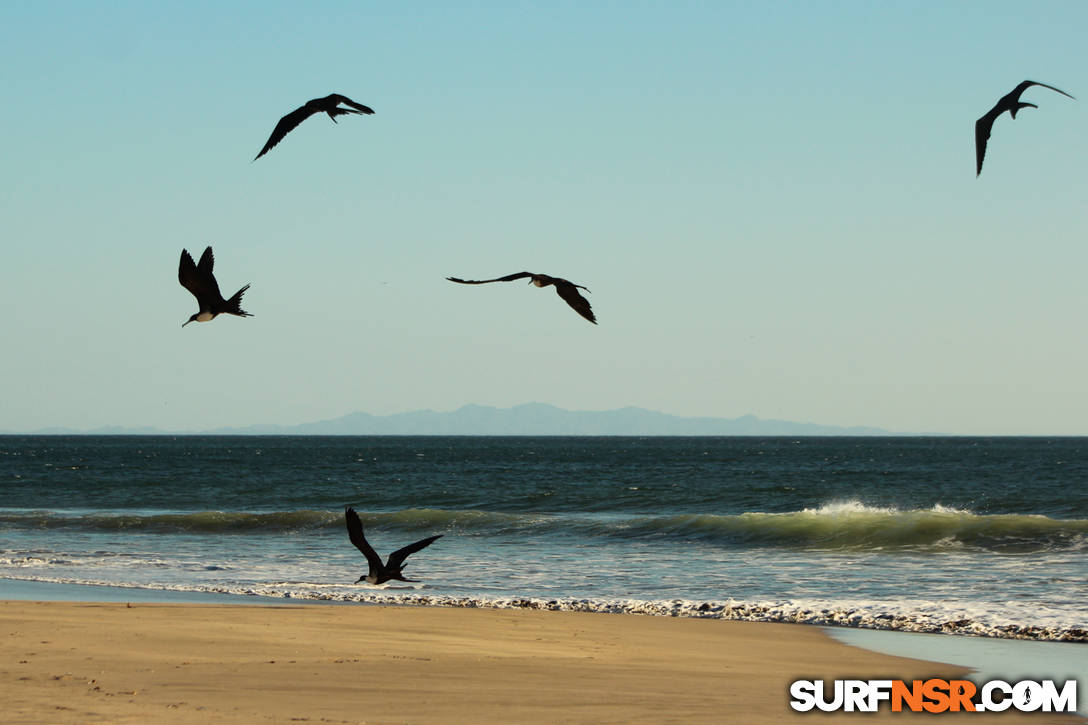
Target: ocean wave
<point>849,525</point>
<point>856,526</point>
<point>14,560</point>
<point>196,522</point>
<point>904,616</point>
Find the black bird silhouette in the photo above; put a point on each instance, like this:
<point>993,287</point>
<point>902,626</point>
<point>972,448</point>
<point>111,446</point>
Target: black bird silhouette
<point>1010,102</point>
<point>381,573</point>
<point>198,279</point>
<point>567,290</point>
<point>329,104</point>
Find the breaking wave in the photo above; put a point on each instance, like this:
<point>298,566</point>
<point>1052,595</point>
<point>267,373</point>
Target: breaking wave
<point>847,525</point>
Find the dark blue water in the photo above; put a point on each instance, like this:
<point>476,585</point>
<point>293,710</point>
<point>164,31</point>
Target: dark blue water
<point>982,536</point>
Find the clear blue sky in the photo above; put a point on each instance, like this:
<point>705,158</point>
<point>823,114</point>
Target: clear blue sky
<point>774,205</point>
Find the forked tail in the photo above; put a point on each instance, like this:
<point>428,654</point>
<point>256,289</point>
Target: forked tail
<point>1019,106</point>
<point>234,304</point>
<point>334,112</point>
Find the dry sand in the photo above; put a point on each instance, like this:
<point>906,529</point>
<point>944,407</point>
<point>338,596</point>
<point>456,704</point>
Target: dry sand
<point>66,662</point>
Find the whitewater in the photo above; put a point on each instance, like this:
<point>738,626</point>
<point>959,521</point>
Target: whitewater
<point>967,536</point>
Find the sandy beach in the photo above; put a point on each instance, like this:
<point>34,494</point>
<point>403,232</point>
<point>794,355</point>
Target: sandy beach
<point>78,662</point>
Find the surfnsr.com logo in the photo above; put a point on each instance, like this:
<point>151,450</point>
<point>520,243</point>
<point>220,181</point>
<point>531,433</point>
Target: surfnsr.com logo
<point>934,695</point>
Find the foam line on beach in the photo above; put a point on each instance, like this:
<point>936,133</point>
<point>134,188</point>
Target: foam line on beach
<point>919,616</point>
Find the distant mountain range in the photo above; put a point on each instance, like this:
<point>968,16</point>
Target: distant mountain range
<point>528,419</point>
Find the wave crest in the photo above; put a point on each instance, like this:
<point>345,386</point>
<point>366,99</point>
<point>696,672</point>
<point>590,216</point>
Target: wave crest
<point>849,525</point>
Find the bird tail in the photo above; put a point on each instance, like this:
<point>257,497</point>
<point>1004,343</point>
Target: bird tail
<point>334,112</point>
<point>234,304</point>
<point>362,110</point>
<point>1019,106</point>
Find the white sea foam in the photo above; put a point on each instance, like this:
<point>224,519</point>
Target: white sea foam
<point>920,615</point>
<point>850,507</point>
<point>842,508</point>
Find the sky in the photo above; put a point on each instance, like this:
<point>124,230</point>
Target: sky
<point>774,205</point>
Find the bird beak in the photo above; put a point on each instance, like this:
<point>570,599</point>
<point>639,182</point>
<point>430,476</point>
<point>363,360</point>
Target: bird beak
<point>186,323</point>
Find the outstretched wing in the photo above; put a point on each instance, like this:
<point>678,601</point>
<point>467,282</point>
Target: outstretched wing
<point>357,106</point>
<point>507,278</point>
<point>982,135</point>
<point>197,278</point>
<point>578,303</point>
<point>204,272</point>
<point>187,272</point>
<point>396,559</point>
<point>206,263</point>
<point>355,533</point>
<point>287,124</point>
<point>1028,84</point>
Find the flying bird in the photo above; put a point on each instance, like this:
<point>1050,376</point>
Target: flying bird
<point>1011,103</point>
<point>567,290</point>
<point>198,279</point>
<point>330,104</point>
<point>381,573</point>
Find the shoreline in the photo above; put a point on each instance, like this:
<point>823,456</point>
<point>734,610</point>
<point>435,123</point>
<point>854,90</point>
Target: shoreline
<point>80,661</point>
<point>850,617</point>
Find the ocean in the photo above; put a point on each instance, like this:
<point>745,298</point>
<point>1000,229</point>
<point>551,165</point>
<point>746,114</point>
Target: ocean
<point>973,536</point>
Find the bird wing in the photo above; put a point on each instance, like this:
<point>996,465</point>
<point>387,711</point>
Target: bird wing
<point>1028,84</point>
<point>204,274</point>
<point>187,271</point>
<point>286,125</point>
<point>355,533</point>
<point>507,278</point>
<point>198,279</point>
<point>396,559</point>
<point>982,134</point>
<point>206,263</point>
<point>357,106</point>
<point>569,292</point>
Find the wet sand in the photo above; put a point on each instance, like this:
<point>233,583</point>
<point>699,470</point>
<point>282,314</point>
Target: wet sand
<point>81,662</point>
